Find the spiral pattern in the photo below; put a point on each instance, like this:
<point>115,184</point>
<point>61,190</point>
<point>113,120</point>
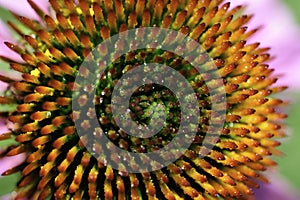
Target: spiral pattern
<point>57,102</point>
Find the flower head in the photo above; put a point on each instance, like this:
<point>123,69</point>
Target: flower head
<point>55,102</point>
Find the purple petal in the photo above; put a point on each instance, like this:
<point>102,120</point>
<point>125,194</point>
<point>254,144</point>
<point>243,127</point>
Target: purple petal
<point>6,197</point>
<point>22,7</point>
<point>3,127</point>
<point>3,87</point>
<point>8,53</point>
<point>278,189</point>
<point>8,162</point>
<point>5,33</point>
<point>5,36</point>
<point>280,32</point>
<point>10,196</point>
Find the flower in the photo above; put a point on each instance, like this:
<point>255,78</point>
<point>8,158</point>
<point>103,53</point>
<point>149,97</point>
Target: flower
<point>58,163</point>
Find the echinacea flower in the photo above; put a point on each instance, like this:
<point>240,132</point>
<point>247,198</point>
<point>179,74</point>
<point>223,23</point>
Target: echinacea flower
<point>59,164</point>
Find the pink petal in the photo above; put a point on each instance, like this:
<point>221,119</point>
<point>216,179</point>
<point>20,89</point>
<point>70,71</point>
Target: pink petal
<point>3,86</point>
<point>10,196</point>
<point>22,7</point>
<point>8,162</point>
<point>6,36</point>
<point>5,33</point>
<point>280,32</point>
<point>8,53</point>
<point>6,197</point>
<point>278,189</point>
<point>3,127</point>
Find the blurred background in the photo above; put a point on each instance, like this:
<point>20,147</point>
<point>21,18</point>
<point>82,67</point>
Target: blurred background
<point>289,164</point>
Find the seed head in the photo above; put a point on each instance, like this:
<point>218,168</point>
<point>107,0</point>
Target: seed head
<point>59,164</point>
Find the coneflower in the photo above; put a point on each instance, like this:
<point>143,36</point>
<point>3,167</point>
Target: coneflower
<point>56,102</point>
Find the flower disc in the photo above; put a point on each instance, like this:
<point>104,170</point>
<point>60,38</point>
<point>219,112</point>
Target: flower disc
<point>68,82</point>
